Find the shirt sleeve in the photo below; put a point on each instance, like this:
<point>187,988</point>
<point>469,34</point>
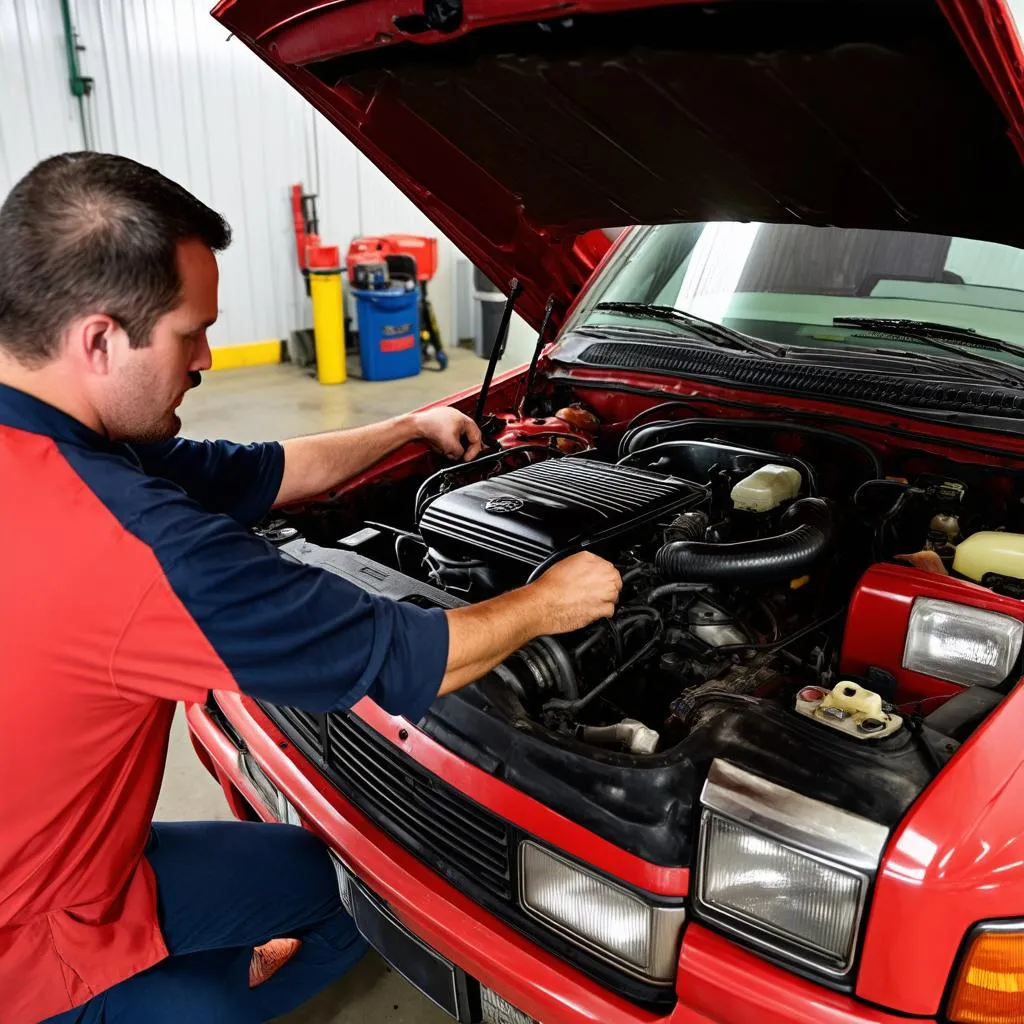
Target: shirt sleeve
<point>226,611</point>
<point>238,480</point>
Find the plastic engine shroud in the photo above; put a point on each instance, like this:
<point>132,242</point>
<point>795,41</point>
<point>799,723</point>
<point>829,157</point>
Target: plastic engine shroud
<point>540,513</point>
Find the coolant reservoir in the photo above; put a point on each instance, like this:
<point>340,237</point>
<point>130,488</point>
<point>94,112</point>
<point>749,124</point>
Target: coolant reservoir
<point>986,552</point>
<point>766,488</point>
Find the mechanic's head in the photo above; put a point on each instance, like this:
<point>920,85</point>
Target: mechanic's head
<point>108,283</point>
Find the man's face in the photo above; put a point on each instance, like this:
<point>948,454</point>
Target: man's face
<point>146,385</point>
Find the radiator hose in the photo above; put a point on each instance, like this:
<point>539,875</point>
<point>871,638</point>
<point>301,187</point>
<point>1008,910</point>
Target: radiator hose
<point>808,526</point>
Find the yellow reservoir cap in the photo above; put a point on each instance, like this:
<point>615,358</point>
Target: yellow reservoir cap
<point>989,987</point>
<point>989,551</point>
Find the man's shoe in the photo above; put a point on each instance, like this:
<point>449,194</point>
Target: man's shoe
<point>269,958</point>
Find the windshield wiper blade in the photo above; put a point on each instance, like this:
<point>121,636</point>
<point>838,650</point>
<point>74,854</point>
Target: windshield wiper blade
<point>963,335</point>
<point>707,330</point>
<point>957,340</point>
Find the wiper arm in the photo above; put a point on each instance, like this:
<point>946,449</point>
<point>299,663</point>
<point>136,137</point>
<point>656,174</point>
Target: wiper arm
<point>707,330</point>
<point>957,340</point>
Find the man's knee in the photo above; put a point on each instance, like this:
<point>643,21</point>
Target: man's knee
<point>307,843</point>
<point>225,884</point>
<point>233,844</point>
<point>302,851</point>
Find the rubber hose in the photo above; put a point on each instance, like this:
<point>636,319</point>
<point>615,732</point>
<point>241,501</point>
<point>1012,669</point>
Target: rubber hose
<point>766,560</point>
<point>688,526</point>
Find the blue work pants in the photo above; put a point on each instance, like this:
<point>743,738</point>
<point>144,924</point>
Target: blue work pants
<point>224,887</point>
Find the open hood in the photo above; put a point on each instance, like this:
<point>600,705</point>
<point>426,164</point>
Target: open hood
<point>520,125</point>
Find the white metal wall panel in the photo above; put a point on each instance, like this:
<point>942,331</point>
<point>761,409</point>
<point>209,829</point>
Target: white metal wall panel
<point>355,198</point>
<point>172,91</point>
<point>1016,9</point>
<point>38,115</point>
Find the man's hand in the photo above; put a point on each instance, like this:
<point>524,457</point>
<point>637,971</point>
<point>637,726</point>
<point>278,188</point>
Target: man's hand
<point>928,561</point>
<point>313,465</point>
<point>449,432</point>
<point>576,591</point>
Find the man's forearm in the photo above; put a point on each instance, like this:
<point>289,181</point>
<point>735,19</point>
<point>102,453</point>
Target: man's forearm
<point>570,595</point>
<point>482,636</point>
<point>315,464</point>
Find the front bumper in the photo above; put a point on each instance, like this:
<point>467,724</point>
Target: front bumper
<point>717,983</point>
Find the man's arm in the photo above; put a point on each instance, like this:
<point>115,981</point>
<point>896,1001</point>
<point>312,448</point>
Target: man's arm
<point>238,480</point>
<point>569,596</point>
<point>313,465</point>
<point>223,611</point>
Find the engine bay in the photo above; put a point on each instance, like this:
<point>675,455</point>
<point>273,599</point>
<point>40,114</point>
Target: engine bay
<point>714,543</point>
<point>739,543</point>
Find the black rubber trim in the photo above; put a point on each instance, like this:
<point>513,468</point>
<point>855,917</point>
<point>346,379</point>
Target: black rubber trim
<point>803,378</point>
<point>223,723</point>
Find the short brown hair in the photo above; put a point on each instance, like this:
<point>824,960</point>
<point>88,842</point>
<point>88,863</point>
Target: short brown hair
<point>89,233</point>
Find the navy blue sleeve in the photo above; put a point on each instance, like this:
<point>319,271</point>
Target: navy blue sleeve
<point>288,633</point>
<point>239,480</point>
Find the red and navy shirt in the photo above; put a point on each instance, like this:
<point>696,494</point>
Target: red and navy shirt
<point>129,581</point>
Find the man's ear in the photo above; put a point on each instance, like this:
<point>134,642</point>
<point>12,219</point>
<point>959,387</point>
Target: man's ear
<point>91,339</point>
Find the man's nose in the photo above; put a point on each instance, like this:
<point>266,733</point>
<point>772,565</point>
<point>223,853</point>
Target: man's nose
<point>203,357</point>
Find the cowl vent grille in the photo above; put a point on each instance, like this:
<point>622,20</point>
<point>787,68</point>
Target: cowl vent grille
<point>825,381</point>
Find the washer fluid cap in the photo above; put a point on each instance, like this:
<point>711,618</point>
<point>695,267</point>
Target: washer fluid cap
<point>766,488</point>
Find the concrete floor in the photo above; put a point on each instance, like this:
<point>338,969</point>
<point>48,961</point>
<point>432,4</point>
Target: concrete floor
<point>275,402</point>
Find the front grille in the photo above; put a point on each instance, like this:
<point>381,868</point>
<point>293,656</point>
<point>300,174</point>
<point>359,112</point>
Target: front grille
<point>305,724</point>
<point>461,840</point>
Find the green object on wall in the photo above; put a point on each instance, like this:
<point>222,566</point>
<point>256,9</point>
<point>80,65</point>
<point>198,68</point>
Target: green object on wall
<point>81,85</point>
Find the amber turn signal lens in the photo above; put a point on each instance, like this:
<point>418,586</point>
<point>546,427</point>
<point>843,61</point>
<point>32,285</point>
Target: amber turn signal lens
<point>990,986</point>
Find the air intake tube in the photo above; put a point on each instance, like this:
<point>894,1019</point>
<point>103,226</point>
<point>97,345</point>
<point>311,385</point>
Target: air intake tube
<point>786,556</point>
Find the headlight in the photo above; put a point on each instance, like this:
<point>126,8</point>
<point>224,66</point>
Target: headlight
<point>344,882</point>
<point>273,799</point>
<point>599,915</point>
<point>499,1011</point>
<point>786,873</point>
<point>960,643</point>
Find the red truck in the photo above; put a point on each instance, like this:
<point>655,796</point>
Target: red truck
<point>783,784</point>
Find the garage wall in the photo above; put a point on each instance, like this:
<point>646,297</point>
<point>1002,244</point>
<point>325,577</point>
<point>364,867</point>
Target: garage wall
<point>37,113</point>
<point>171,90</point>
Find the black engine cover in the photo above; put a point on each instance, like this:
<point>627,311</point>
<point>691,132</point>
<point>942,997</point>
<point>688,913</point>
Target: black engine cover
<point>540,513</point>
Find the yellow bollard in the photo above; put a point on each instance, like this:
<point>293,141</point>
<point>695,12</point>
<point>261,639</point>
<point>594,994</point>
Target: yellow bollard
<point>324,266</point>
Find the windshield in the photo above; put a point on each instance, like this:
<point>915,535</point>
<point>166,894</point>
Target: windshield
<point>788,283</point>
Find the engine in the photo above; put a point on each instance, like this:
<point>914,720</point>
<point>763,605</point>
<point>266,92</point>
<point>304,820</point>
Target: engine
<point>738,563</point>
<point>720,547</point>
<point>499,532</point>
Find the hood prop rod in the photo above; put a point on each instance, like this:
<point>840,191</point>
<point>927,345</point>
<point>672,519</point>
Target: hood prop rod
<point>500,341</point>
<point>538,348</point>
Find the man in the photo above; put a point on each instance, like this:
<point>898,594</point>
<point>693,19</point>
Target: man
<point>130,581</point>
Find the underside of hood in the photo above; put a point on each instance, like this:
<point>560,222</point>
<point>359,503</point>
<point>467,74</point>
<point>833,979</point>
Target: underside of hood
<point>517,130</point>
